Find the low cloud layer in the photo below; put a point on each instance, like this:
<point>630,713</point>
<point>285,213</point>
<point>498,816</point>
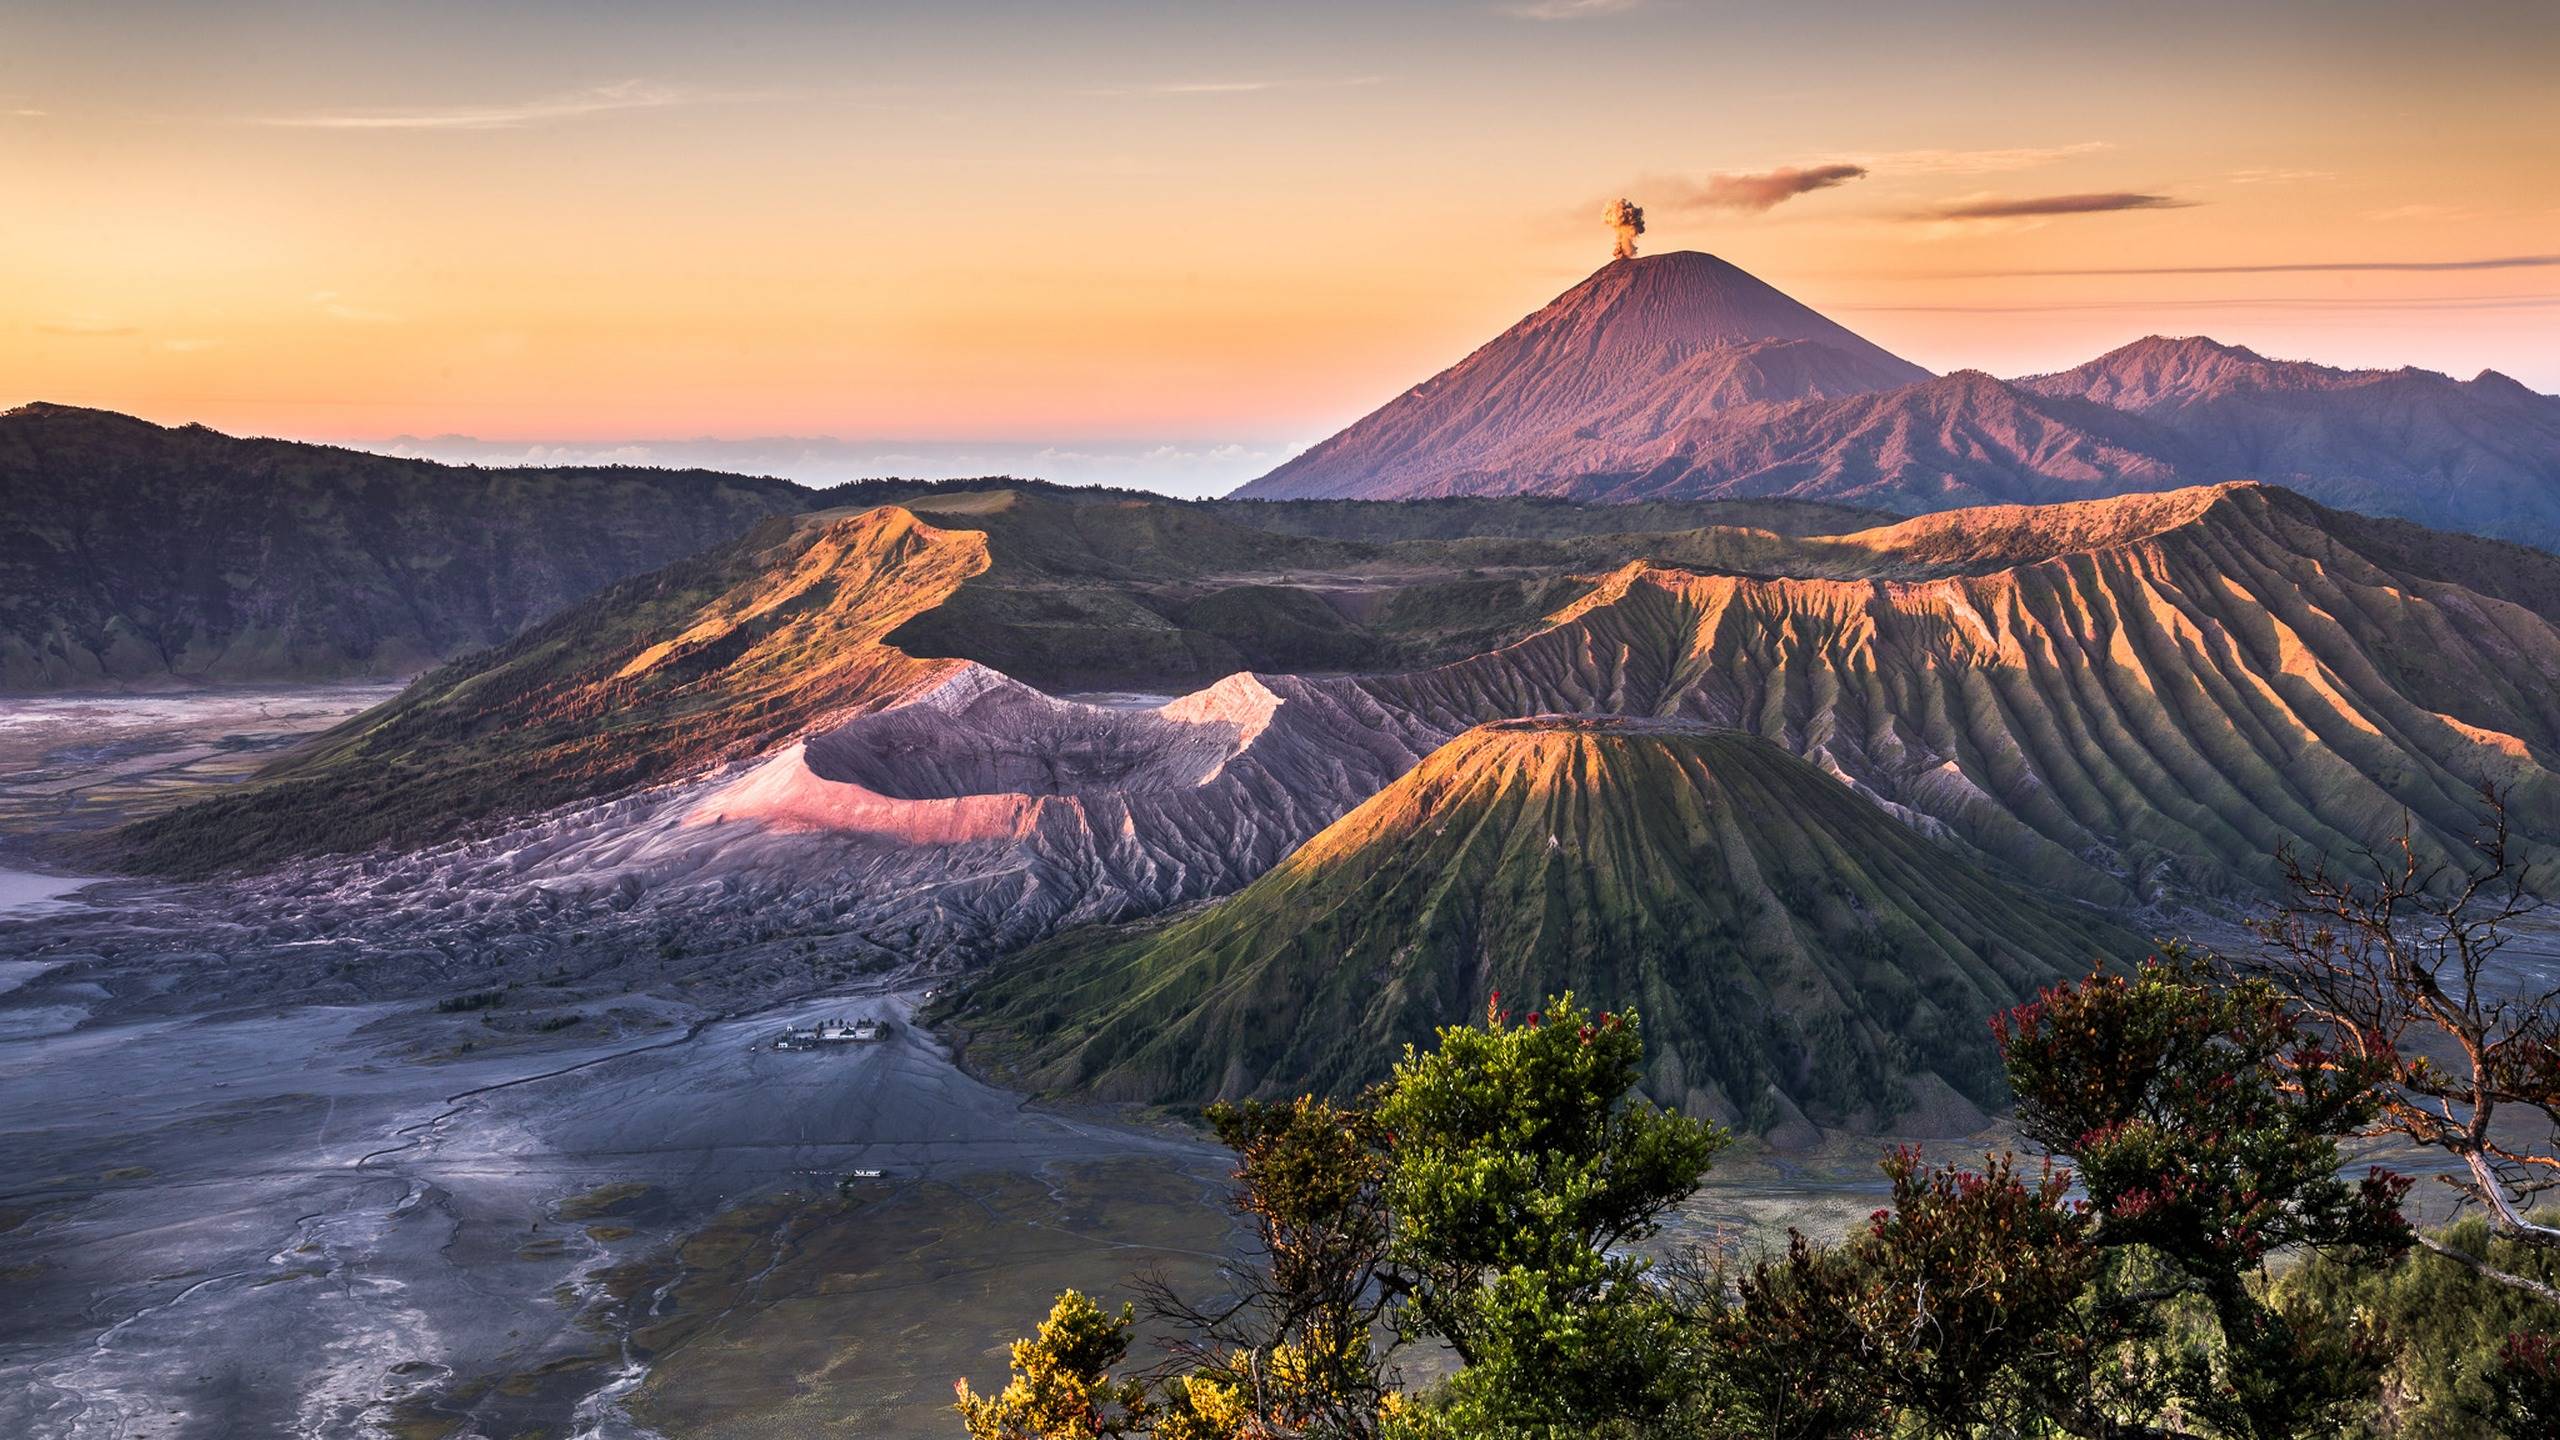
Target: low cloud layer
<point>2037,207</point>
<point>1188,468</point>
<point>1767,189</point>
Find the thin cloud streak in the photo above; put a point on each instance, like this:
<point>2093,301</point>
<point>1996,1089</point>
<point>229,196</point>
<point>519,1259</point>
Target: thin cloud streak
<point>1976,162</point>
<point>86,328</point>
<point>2038,207</point>
<point>1570,9</point>
<point>575,104</point>
<point>1235,87</point>
<point>2288,302</point>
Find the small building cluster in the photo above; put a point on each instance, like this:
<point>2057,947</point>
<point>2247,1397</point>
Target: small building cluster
<point>828,1033</point>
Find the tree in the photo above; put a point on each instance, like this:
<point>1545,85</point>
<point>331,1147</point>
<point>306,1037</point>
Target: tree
<point>2394,957</point>
<point>1479,1198</point>
<point>2202,1117</point>
<point>1292,1348</point>
<point>2448,1331</point>
<point>1062,1385</point>
<point>1520,1164</point>
<point>1957,1309</point>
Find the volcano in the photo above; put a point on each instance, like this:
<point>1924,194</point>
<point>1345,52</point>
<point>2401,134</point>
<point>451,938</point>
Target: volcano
<point>1796,952</point>
<point>1638,350</point>
<point>1680,378</point>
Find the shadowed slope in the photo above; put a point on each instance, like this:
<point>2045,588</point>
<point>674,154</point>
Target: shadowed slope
<point>132,554</point>
<point>2480,455</point>
<point>1794,950</point>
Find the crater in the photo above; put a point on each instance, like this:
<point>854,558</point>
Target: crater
<point>1009,739</point>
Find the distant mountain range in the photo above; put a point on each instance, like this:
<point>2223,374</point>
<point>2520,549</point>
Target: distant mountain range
<point>1680,376</point>
<point>134,554</point>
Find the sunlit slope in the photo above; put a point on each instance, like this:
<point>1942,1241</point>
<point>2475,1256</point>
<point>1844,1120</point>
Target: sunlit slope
<point>2131,700</point>
<point>1796,952</point>
<point>712,659</point>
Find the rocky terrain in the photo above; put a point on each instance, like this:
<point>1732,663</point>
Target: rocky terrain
<point>739,778</point>
<point>1799,957</point>
<point>133,555</point>
<point>1711,385</point>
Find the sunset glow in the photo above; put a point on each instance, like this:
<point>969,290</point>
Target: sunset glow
<point>1055,225</point>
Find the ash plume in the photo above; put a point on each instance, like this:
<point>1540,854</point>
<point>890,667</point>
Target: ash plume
<point>1626,218</point>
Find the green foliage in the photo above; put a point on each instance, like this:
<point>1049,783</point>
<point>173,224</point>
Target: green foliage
<point>1491,1196</point>
<point>1480,1199</point>
<point>1521,1168</point>
<point>1062,1385</point>
<point>2464,1351</point>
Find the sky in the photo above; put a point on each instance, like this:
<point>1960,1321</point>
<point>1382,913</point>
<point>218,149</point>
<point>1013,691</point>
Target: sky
<point>1172,244</point>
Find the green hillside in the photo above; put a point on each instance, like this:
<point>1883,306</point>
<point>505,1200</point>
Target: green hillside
<point>1796,952</point>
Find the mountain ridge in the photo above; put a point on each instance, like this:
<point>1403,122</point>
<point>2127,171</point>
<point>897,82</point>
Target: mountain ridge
<point>136,554</point>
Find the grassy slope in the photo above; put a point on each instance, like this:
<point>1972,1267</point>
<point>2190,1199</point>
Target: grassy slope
<point>1777,931</point>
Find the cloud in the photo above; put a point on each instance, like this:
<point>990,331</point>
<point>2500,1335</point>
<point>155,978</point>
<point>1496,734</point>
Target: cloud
<point>1234,87</point>
<point>2308,267</point>
<point>595,100</point>
<point>2436,213</point>
<point>1764,190</point>
<point>86,327</point>
<point>337,309</point>
<point>2279,177</point>
<point>187,347</point>
<point>1975,162</point>
<point>1569,9</point>
<point>2037,207</point>
<point>22,113</point>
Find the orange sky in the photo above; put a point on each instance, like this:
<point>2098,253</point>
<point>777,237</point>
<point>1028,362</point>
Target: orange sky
<point>1041,223</point>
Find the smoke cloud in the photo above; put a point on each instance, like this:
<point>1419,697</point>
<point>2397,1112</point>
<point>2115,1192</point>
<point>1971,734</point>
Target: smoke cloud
<point>1627,219</point>
<point>1768,189</point>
